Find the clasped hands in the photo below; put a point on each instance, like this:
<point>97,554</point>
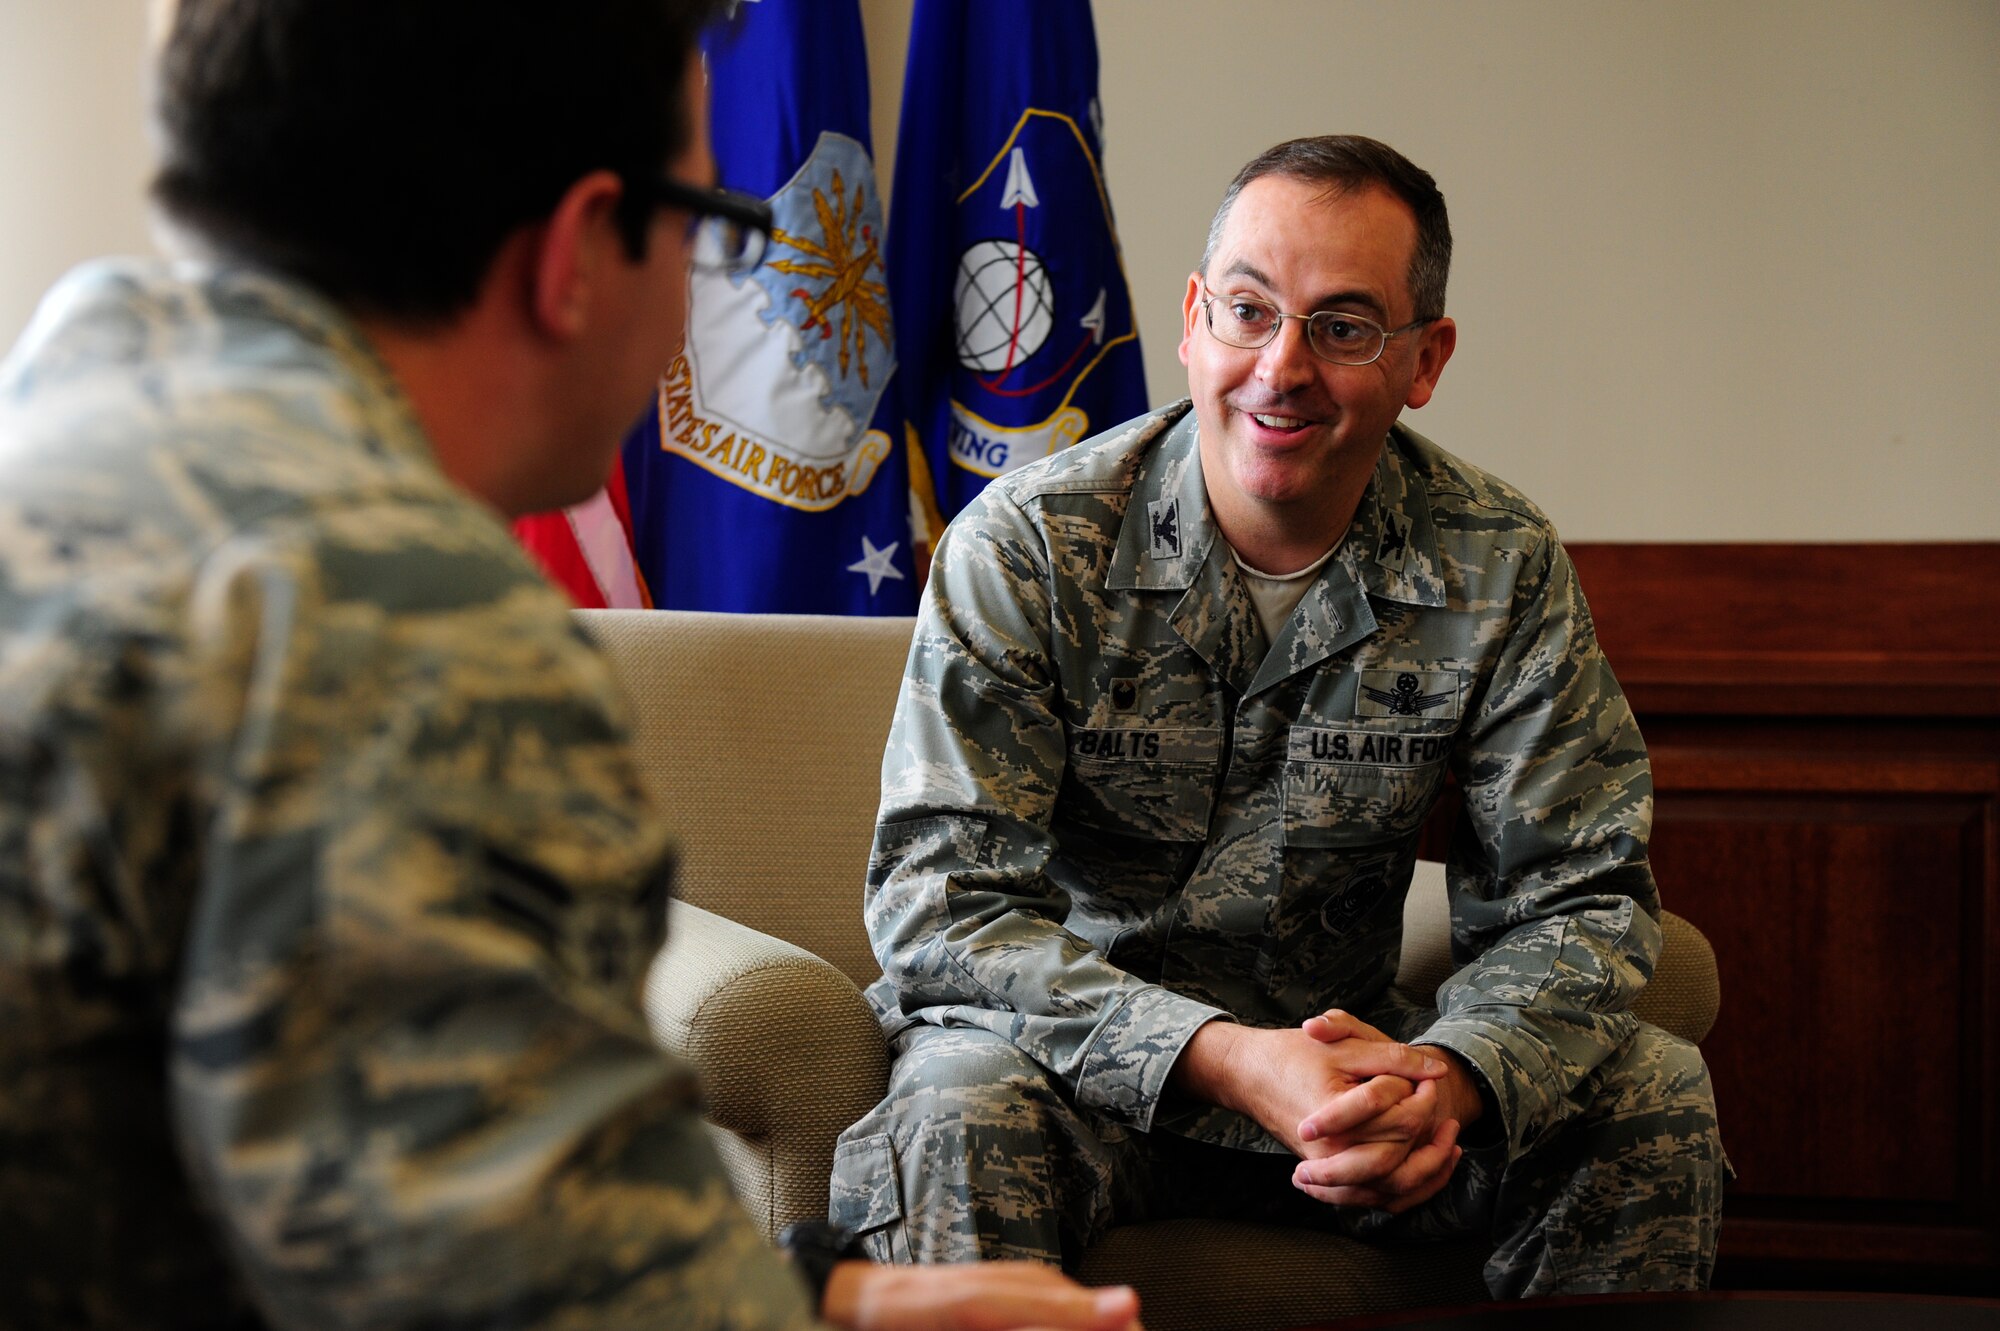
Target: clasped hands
<point>1374,1123</point>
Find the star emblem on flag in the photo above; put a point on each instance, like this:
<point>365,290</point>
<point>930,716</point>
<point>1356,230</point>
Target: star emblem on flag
<point>878,565</point>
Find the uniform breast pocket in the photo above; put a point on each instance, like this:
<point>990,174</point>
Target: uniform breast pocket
<point>1360,787</point>
<point>1155,784</point>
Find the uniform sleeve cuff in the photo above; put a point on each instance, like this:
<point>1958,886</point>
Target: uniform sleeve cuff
<point>1518,1082</point>
<point>1126,1063</point>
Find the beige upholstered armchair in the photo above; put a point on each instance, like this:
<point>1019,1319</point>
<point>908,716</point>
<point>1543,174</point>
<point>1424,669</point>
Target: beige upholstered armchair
<point>762,736</point>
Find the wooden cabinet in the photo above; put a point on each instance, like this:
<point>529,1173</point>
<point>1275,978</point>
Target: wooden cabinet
<point>1825,730</point>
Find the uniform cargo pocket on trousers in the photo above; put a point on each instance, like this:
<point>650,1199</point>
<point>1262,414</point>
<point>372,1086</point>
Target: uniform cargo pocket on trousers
<point>866,1197</point>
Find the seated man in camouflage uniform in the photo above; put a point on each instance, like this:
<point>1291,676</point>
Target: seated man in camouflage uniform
<point>326,879</point>
<point>1179,701</point>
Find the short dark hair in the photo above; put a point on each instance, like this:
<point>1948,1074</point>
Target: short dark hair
<point>1348,162</point>
<point>382,150</point>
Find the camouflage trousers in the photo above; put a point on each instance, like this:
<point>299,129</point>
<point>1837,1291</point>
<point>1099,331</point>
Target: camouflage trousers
<point>974,1153</point>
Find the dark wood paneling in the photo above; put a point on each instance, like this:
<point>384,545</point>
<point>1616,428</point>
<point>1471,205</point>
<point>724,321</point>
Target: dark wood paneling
<point>1858,1019</point>
<point>1825,730</point>
<point>1822,630</point>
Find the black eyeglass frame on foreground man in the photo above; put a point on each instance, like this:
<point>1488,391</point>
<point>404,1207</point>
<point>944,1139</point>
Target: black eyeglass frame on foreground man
<point>732,229</point>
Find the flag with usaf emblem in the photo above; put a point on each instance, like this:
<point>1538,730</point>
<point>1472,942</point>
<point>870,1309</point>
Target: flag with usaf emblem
<point>772,474</point>
<point>1013,317</point>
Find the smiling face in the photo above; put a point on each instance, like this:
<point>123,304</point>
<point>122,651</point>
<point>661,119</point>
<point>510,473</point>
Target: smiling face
<point>1288,440</point>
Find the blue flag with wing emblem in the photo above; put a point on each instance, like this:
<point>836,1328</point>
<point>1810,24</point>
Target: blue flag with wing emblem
<point>771,474</point>
<point>1013,318</point>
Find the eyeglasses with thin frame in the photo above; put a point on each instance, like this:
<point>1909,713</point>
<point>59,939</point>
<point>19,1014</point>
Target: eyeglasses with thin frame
<point>731,229</point>
<point>1334,335</point>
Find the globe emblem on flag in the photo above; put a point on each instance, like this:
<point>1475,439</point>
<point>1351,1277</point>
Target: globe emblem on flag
<point>1006,306</point>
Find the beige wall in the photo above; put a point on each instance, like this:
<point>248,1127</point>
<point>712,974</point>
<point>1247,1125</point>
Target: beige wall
<point>73,153</point>
<point>1725,271</point>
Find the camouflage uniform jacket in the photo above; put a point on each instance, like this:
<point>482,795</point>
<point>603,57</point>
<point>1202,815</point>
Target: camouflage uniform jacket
<point>1111,812</point>
<point>326,880</point>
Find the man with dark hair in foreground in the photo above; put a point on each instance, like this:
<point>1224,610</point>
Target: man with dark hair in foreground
<point>326,881</point>
<point>1179,703</point>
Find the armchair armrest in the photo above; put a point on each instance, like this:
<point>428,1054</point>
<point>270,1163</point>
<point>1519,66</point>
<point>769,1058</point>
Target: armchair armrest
<point>788,1051</point>
<point>1683,996</point>
<point>1685,992</point>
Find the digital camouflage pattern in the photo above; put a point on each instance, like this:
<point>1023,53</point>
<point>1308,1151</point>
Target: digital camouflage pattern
<point>326,881</point>
<point>975,1153</point>
<point>1112,812</point>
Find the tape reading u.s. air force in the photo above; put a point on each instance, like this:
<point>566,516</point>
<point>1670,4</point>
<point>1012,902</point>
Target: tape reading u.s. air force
<point>1313,744</point>
<point>1145,745</point>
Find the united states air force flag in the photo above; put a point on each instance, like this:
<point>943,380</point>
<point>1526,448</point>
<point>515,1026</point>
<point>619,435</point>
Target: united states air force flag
<point>1013,318</point>
<point>772,475</point>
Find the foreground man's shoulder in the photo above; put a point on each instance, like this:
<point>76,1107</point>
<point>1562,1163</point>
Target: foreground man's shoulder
<point>175,427</point>
<point>193,405</point>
